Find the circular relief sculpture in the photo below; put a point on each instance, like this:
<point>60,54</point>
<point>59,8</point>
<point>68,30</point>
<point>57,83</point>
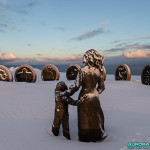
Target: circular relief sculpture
<point>49,73</point>
<point>145,75</point>
<point>5,74</point>
<point>123,72</point>
<point>72,72</point>
<point>25,73</point>
<point>104,73</point>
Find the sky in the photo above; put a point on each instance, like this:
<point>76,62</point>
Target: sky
<point>61,31</point>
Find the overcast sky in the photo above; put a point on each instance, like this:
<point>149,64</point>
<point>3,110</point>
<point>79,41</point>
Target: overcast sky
<point>61,31</point>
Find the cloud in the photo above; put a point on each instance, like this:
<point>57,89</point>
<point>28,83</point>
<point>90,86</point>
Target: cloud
<point>60,28</point>
<point>116,41</point>
<point>133,39</point>
<point>31,4</point>
<point>29,44</point>
<point>73,57</point>
<point>24,12</point>
<point>39,54</point>
<point>4,27</point>
<point>121,44</point>
<point>22,8</point>
<point>89,34</point>
<point>11,59</point>
<point>64,60</point>
<point>126,46</point>
<point>3,2</point>
<point>145,46</point>
<point>105,22</point>
<point>122,59</point>
<point>137,54</point>
<point>114,50</point>
<point>7,56</point>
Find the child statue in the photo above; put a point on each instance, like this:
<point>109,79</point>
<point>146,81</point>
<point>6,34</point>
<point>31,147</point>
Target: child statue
<point>61,115</point>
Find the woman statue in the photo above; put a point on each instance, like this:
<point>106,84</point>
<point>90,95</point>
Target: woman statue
<point>90,114</point>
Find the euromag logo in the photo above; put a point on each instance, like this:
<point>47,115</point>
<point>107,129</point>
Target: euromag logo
<point>138,145</point>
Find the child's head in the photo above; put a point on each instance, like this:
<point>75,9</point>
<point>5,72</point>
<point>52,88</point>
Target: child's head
<point>61,86</point>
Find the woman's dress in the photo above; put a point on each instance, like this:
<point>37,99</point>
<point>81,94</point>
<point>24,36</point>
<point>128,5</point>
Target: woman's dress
<point>90,114</point>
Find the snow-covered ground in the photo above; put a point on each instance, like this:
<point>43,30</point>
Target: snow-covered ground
<point>27,109</point>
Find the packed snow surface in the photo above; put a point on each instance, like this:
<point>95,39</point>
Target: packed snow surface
<point>27,109</point>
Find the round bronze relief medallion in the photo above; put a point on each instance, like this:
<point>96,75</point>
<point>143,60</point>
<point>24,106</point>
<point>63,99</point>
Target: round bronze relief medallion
<point>123,72</point>
<point>5,74</point>
<point>25,73</point>
<point>72,72</point>
<point>49,73</point>
<point>145,75</point>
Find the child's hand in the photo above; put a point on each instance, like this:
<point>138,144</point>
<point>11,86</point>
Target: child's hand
<point>86,96</point>
<point>84,99</point>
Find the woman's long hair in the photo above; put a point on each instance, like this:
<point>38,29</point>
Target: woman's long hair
<point>93,58</point>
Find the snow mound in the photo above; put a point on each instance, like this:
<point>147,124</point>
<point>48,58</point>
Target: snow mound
<point>27,109</point>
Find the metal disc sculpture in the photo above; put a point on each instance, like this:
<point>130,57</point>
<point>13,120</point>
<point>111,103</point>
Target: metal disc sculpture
<point>25,73</point>
<point>123,72</point>
<point>145,75</point>
<point>5,74</point>
<point>50,73</point>
<point>72,72</point>
<point>104,73</point>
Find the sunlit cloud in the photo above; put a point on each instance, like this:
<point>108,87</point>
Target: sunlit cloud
<point>7,56</point>
<point>137,54</point>
<point>63,60</point>
<point>73,57</point>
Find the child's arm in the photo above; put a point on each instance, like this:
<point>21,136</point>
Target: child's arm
<point>73,102</point>
<point>69,100</point>
<point>75,87</point>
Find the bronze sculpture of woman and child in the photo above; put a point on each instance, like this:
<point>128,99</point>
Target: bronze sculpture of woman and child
<point>90,114</point>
